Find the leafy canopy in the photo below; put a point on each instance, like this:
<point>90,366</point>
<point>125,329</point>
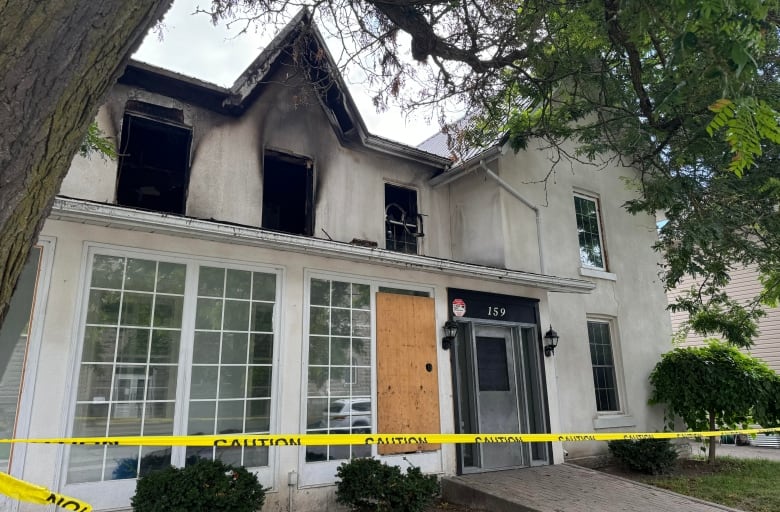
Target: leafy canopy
<point>715,385</point>
<point>684,91</point>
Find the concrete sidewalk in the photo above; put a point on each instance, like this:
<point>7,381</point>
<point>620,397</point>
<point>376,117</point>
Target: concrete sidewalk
<point>565,488</point>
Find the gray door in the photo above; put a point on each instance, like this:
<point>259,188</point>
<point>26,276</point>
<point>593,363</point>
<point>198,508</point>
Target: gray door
<point>498,396</point>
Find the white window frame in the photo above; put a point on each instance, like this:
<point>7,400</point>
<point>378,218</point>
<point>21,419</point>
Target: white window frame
<point>602,243</point>
<point>604,417</point>
<point>34,342</point>
<point>314,474</point>
<point>111,494</point>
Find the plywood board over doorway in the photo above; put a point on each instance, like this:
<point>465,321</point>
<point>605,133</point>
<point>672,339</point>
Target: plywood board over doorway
<point>407,373</point>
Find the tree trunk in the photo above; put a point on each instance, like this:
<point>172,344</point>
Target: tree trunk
<point>58,58</point>
<point>713,440</point>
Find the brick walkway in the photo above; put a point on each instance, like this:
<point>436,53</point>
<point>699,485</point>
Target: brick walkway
<point>565,488</point>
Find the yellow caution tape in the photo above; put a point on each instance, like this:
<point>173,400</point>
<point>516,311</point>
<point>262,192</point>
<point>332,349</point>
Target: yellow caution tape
<point>25,491</point>
<point>256,440</point>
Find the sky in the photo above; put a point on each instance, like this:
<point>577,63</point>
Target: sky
<point>190,44</point>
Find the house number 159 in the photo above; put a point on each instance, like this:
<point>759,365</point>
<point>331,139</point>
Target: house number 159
<point>496,311</point>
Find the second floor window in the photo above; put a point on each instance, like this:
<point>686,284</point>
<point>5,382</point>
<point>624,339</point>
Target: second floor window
<point>288,193</point>
<point>591,243</point>
<point>403,224</point>
<point>154,159</point>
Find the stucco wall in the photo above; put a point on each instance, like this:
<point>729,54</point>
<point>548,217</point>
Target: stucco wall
<point>227,157</point>
<point>629,294</point>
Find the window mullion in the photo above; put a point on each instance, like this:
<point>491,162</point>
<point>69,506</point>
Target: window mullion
<point>181,407</point>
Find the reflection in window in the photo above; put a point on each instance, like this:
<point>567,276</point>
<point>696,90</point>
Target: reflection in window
<point>588,232</point>
<point>231,367</point>
<point>339,370</point>
<point>129,368</point>
<point>129,365</point>
<point>14,335</point>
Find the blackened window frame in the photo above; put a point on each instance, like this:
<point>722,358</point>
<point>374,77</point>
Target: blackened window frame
<point>306,226</point>
<point>166,121</point>
<point>403,223</point>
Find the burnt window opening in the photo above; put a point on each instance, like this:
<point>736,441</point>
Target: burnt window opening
<point>288,194</point>
<point>154,161</point>
<point>403,224</point>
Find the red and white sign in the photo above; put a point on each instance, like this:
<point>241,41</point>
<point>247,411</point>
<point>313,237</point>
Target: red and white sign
<point>458,307</point>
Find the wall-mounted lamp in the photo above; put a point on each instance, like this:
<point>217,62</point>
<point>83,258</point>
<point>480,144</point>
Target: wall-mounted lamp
<point>550,342</point>
<point>450,331</point>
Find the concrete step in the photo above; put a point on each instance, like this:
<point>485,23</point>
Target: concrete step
<point>463,491</point>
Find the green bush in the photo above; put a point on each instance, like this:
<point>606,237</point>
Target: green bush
<point>367,485</point>
<point>203,486</point>
<point>651,456</point>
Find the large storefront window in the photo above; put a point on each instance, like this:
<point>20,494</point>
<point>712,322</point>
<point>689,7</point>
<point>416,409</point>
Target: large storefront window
<point>14,340</point>
<point>136,336</point>
<point>339,372</point>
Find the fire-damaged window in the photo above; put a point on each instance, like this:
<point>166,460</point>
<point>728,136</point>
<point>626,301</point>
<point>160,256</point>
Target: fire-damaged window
<point>403,224</point>
<point>154,159</point>
<point>288,193</point>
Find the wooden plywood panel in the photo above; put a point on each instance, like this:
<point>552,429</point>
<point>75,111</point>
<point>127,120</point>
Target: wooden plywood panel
<point>407,373</point>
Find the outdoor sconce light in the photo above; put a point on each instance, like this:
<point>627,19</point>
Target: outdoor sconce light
<point>550,342</point>
<point>450,331</point>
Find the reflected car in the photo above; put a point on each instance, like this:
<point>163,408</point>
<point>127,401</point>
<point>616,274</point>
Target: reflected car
<point>350,412</point>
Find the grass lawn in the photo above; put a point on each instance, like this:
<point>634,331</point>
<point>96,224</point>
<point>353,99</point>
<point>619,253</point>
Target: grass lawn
<point>747,484</point>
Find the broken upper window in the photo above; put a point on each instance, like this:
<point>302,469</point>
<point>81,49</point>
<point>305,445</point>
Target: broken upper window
<point>403,225</point>
<point>288,193</point>
<point>154,159</point>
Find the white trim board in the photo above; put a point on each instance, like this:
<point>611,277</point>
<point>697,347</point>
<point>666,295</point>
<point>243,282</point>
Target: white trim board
<point>85,212</point>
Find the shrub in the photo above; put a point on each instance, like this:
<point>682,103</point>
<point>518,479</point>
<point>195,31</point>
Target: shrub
<point>651,456</point>
<point>203,486</point>
<point>367,485</point>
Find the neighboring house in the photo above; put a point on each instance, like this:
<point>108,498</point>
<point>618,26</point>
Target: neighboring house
<point>744,287</point>
<point>257,262</point>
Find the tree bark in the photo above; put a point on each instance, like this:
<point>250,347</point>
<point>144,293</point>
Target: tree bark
<point>58,58</point>
<point>713,440</point>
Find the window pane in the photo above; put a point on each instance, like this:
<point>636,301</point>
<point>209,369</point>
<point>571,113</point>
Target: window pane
<point>206,347</point>
<point>237,315</point>
<point>140,275</point>
<point>99,344</point>
<point>103,307</point>
<point>133,345</point>
<point>107,272</point>
<point>318,350</point>
<point>137,309</point>
<point>170,278</point>
<point>264,287</point>
<point>209,315</point>
<point>262,316</point>
<point>168,311</point>
<point>261,349</point>
<point>165,346</point>
<point>320,292</point>
<point>234,347</point>
<point>232,382</point>
<point>211,282</point>
<point>204,382</point>
<point>238,284</point>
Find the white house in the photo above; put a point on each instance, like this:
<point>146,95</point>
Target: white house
<point>256,261</point>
